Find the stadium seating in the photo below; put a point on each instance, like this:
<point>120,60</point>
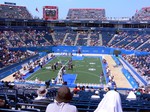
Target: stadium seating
<point>131,40</point>
<point>94,39</point>
<point>142,14</point>
<point>16,12</point>
<point>82,39</point>
<point>59,36</point>
<point>9,57</point>
<point>20,98</point>
<point>86,14</point>
<point>128,40</point>
<point>84,102</point>
<point>139,62</point>
<point>70,39</point>
<point>107,36</point>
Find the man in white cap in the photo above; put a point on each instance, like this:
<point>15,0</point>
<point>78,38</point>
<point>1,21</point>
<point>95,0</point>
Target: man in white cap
<point>96,95</point>
<point>61,104</point>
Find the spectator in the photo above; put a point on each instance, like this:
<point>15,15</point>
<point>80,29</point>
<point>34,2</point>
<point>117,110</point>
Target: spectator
<point>96,95</point>
<point>110,103</point>
<point>76,89</point>
<point>131,96</point>
<point>87,89</point>
<point>61,104</point>
<point>42,91</point>
<point>2,103</point>
<point>75,94</point>
<point>106,89</point>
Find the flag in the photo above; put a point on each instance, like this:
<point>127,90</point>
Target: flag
<point>37,9</point>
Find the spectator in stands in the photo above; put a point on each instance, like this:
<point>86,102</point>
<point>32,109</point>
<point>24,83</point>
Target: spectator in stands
<point>83,88</point>
<point>96,95</point>
<point>87,89</point>
<point>41,92</point>
<point>131,96</point>
<point>2,103</point>
<point>110,103</point>
<point>61,104</point>
<point>75,94</point>
<point>47,83</point>
<point>138,94</point>
<point>106,89</point>
<point>92,89</point>
<point>76,89</point>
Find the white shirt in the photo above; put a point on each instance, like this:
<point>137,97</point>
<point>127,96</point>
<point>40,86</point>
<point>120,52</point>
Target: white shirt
<point>95,96</point>
<point>40,97</point>
<point>61,107</point>
<point>131,96</point>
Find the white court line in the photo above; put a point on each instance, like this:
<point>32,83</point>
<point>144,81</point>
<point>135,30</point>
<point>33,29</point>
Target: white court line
<point>75,78</point>
<point>89,73</point>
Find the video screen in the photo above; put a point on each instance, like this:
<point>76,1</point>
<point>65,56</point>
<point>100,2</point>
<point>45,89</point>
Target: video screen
<point>50,12</point>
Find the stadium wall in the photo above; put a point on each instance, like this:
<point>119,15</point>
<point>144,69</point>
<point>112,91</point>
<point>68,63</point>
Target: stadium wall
<point>83,49</point>
<point>128,76</point>
<point>93,50</point>
<point>37,49</point>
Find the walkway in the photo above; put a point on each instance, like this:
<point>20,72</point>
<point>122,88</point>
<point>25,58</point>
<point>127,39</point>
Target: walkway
<point>119,77</point>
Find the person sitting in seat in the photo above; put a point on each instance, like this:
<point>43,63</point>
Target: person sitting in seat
<point>61,103</point>
<point>131,96</point>
<point>2,103</point>
<point>41,92</point>
<point>96,95</point>
<point>41,99</point>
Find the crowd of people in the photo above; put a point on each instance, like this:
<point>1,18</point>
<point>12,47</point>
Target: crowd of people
<point>63,98</point>
<point>70,39</point>
<point>141,63</point>
<point>25,38</point>
<point>86,14</point>
<point>14,12</point>
<point>131,40</point>
<point>126,40</point>
<point>8,57</point>
<point>143,14</point>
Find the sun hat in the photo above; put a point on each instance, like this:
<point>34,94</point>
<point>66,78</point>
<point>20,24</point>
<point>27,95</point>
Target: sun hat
<point>42,91</point>
<point>63,95</point>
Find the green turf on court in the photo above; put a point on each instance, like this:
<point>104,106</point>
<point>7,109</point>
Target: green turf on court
<point>87,70</point>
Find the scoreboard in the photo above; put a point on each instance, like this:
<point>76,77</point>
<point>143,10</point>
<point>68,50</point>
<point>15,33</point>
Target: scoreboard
<point>50,12</point>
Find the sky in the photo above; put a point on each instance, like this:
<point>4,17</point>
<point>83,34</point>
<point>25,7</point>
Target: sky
<point>113,8</point>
